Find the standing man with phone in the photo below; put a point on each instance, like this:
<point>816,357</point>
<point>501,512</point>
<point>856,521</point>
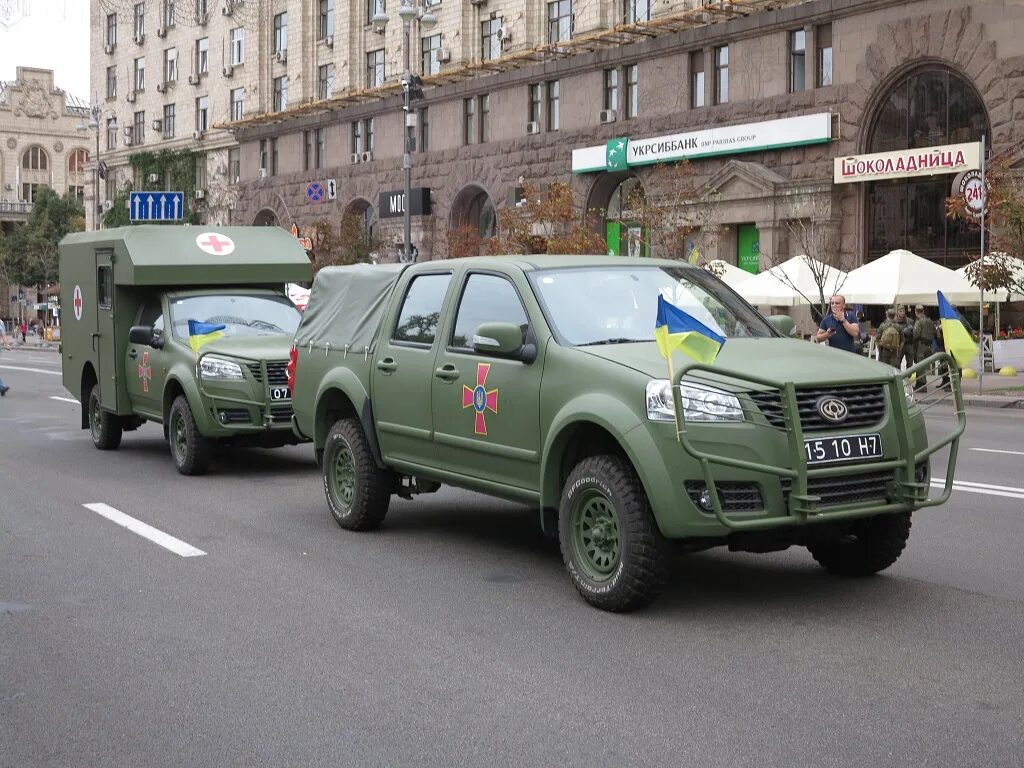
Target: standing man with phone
<point>839,327</point>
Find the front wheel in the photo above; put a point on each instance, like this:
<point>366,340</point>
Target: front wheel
<point>358,492</point>
<point>104,426</point>
<point>870,546</point>
<point>189,449</point>
<point>616,556</point>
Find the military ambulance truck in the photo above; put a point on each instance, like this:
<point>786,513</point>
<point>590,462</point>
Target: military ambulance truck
<point>186,327</point>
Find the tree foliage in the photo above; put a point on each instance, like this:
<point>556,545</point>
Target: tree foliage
<point>30,251</point>
<point>350,243</point>
<point>814,235</point>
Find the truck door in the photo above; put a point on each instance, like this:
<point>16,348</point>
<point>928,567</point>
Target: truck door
<point>144,366</point>
<point>103,343</point>
<point>486,408</point>
<point>403,369</point>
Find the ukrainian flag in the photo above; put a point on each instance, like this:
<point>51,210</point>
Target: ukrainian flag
<point>675,329</point>
<point>201,333</point>
<point>957,340</point>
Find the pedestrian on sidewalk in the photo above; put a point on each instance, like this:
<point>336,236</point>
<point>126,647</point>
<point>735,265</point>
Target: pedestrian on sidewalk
<point>839,327</point>
<point>6,342</point>
<point>905,359</point>
<point>24,331</point>
<point>889,339</point>
<point>924,335</point>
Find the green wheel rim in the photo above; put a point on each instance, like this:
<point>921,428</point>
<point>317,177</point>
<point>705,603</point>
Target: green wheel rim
<point>596,541</point>
<point>94,415</point>
<point>180,435</point>
<point>344,475</point>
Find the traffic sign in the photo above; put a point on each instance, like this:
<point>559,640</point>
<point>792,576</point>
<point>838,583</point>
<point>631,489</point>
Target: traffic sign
<point>315,192</point>
<point>332,189</point>
<point>156,206</point>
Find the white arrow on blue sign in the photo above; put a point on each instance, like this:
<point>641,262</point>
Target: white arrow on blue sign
<point>156,206</point>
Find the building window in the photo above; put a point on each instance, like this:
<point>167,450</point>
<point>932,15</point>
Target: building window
<point>430,46</point>
<point>552,89</point>
<point>373,7</point>
<point>314,149</point>
<point>237,38</point>
<point>140,74</point>
<point>77,160</point>
<point>485,123</point>
<point>326,28</point>
<point>168,124</point>
<point>559,21</point>
<point>237,103</point>
<point>490,43</point>
<point>424,125</point>
<point>29,192</point>
<point>637,10</point>
<point>632,91</point>
<point>171,65</point>
<point>168,13</point>
<point>469,121</point>
<point>307,150</point>
<point>139,127</point>
<point>368,132</point>
<point>111,82</point>
<point>273,157</point>
<point>112,133</point>
<point>325,81</point>
<point>321,147</point>
<point>823,42</point>
<point>203,55</point>
<point>281,32</point>
<point>797,60</point>
<point>202,11</point>
<point>280,93</point>
<point>263,157</point>
<point>375,69</point>
<point>140,20</point>
<point>534,109</point>
<point>202,114</point>
<point>722,74</point>
<point>697,79</point>
<point>611,89</point>
<point>35,159</point>
<point>234,165</point>
<point>357,137</point>
<point>111,37</point>
<point>78,191</point>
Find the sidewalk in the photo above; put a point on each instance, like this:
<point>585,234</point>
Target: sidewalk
<point>996,392</point>
<point>35,344</point>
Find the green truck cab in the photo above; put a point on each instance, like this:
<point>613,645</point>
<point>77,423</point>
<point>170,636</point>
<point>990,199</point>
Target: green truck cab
<point>128,354</point>
<point>537,379</point>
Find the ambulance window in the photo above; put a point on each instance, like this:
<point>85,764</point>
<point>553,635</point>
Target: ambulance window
<point>104,287</point>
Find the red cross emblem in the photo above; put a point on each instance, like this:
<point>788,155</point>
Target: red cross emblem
<point>480,399</point>
<point>145,371</point>
<point>77,302</point>
<point>213,243</point>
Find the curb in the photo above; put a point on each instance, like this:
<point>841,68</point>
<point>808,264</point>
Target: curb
<point>994,402</point>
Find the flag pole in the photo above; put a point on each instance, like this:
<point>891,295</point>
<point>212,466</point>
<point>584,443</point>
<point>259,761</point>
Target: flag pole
<point>672,391</point>
<point>981,272</point>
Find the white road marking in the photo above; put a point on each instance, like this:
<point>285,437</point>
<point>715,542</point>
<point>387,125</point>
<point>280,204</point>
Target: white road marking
<point>64,399</point>
<point>165,540</point>
<point>30,370</point>
<point>984,488</point>
<point>994,450</point>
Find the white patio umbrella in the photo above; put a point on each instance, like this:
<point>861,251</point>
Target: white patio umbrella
<point>904,277</point>
<point>728,273</point>
<point>792,283</point>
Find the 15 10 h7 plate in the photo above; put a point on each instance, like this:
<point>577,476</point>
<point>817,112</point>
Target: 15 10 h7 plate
<point>825,450</point>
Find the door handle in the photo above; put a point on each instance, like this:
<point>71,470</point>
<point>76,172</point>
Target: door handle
<point>447,373</point>
<point>387,365</point>
<point>132,353</point>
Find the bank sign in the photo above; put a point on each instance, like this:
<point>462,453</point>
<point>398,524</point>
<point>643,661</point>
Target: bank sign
<point>925,161</point>
<point>622,153</point>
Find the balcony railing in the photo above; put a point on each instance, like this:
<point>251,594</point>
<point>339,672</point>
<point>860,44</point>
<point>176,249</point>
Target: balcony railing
<point>9,209</point>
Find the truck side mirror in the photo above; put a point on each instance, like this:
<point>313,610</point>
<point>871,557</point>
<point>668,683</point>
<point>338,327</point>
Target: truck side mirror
<point>141,334</point>
<point>498,339</point>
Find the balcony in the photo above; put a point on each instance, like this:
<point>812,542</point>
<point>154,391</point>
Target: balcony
<point>14,211</point>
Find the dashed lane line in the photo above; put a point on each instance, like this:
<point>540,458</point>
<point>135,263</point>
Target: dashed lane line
<point>30,370</point>
<point>64,399</point>
<point>987,489</point>
<point>146,531</point>
<point>996,450</point>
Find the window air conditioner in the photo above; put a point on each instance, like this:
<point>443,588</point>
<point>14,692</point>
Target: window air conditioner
<point>130,98</point>
<point>229,70</point>
<point>504,36</point>
<point>161,31</point>
<point>157,126</point>
<point>444,55</point>
<point>198,135</point>
<point>202,18</point>
<point>228,8</point>
<point>140,39</point>
<point>161,87</point>
<point>329,41</point>
<point>263,173</point>
<point>108,204</point>
<point>127,130</point>
<point>193,79</point>
<point>533,127</point>
<point>200,194</point>
<point>282,56</point>
<point>607,116</point>
<point>354,158</point>
<point>366,157</point>
<point>128,141</point>
<point>109,48</point>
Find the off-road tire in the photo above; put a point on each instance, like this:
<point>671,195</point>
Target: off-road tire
<point>104,426</point>
<point>189,449</point>
<point>872,545</point>
<point>603,500</point>
<point>358,491</point>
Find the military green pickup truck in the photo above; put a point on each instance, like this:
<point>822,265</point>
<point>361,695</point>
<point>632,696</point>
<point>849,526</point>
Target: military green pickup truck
<point>184,327</point>
<point>537,379</point>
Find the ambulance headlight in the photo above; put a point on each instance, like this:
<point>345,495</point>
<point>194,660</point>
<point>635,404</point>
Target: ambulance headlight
<point>219,368</point>
<point>700,403</point>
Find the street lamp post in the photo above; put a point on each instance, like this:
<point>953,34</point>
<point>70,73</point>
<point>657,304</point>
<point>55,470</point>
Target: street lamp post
<point>94,125</point>
<point>408,13</point>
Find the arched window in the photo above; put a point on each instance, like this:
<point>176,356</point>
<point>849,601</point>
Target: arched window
<point>77,160</point>
<point>35,159</point>
<point>928,107</point>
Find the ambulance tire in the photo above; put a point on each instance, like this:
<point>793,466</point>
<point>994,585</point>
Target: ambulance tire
<point>871,545</point>
<point>358,491</point>
<point>104,426</point>
<point>189,449</point>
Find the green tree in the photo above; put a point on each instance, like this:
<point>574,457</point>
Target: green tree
<point>31,250</point>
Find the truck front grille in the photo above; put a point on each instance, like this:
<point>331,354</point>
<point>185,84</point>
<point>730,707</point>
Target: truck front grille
<point>280,413</point>
<point>277,373</point>
<point>866,404</point>
<point>846,489</point>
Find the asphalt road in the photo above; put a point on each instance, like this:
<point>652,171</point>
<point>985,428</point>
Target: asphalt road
<point>452,636</point>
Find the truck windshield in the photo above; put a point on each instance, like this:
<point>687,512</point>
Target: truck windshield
<point>240,314</point>
<point>614,305</point>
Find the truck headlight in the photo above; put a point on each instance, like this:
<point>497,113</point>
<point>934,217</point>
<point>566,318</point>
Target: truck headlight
<point>700,403</point>
<point>219,368</point>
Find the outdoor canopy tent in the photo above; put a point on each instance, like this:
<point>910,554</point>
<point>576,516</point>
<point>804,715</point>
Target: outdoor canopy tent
<point>906,278</point>
<point>727,273</point>
<point>792,283</point>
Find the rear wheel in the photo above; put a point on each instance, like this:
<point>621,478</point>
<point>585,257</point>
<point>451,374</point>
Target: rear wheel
<point>616,556</point>
<point>358,491</point>
<point>870,546</point>
<point>189,449</point>
<point>104,426</point>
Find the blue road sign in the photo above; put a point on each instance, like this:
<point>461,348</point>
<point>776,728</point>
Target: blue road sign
<point>315,192</point>
<point>156,206</point>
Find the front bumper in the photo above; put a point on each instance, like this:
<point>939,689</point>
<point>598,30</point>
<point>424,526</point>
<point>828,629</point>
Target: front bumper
<point>795,493</point>
<point>232,407</point>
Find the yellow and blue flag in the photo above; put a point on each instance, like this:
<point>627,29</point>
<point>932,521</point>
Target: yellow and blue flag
<point>202,333</point>
<point>957,340</point>
<point>675,329</point>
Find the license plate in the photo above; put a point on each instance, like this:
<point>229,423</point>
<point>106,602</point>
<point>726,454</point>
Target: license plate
<point>825,450</point>
<point>280,393</point>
